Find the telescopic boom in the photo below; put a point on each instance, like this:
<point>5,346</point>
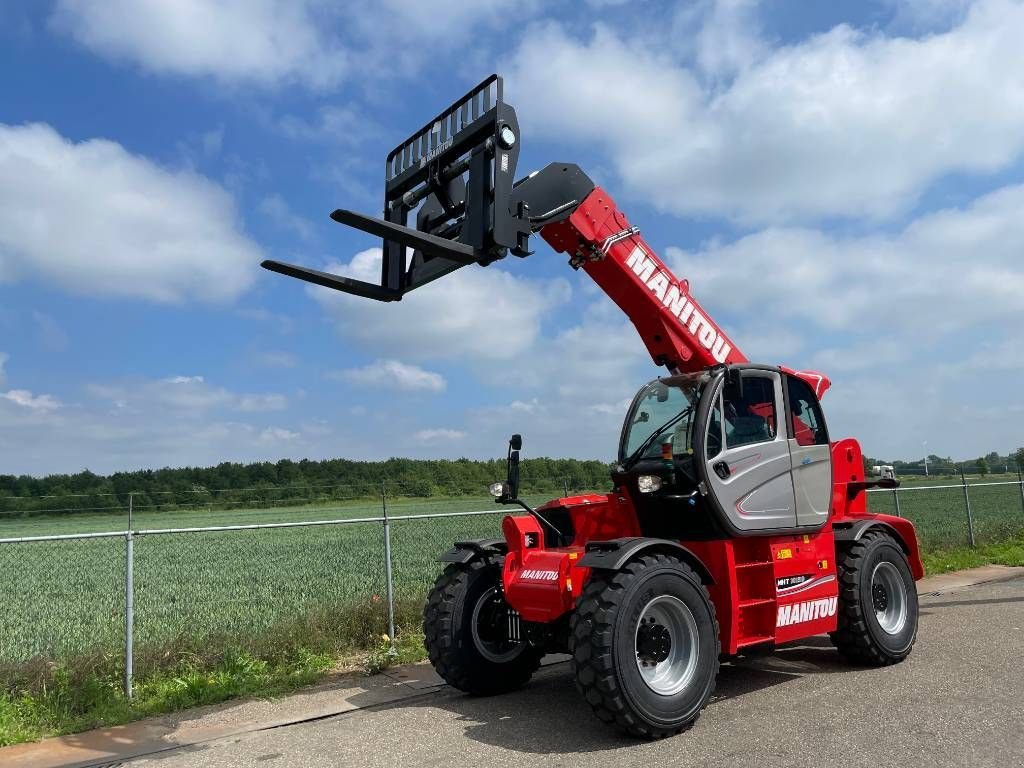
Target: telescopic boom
<point>456,176</point>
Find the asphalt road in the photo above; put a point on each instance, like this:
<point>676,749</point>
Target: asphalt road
<point>957,701</point>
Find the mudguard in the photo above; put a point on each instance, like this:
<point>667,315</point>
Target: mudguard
<point>613,554</point>
<point>901,530</point>
<point>465,551</point>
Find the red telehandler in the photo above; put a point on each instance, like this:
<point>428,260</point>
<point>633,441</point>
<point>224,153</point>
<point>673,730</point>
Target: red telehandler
<point>734,523</point>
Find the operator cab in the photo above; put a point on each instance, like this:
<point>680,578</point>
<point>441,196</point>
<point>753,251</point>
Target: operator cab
<point>738,451</point>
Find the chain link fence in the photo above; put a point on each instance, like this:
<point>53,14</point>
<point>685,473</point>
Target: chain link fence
<point>139,596</point>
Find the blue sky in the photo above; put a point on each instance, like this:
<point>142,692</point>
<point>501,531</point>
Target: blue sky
<point>840,182</point>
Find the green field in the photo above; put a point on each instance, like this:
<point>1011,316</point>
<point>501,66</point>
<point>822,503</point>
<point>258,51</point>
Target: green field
<point>250,587</point>
<point>224,614</point>
<point>262,590</point>
<point>940,516</point>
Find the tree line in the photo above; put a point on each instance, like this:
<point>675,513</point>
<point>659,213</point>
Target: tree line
<point>287,483</point>
<point>991,463</point>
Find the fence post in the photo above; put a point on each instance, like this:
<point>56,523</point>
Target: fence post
<point>389,581</point>
<point>129,600</point>
<point>1020,484</point>
<point>967,506</point>
<point>896,501</point>
<point>565,485</point>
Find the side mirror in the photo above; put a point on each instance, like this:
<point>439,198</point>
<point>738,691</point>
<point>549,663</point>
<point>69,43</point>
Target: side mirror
<point>733,384</point>
<point>508,491</point>
<point>512,484</point>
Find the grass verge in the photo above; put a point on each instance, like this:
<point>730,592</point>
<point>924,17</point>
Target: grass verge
<point>45,698</point>
<point>1009,552</point>
<point>54,699</point>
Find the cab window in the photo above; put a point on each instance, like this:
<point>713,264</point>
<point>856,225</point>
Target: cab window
<point>713,444</point>
<point>751,418</point>
<point>660,414</point>
<point>806,423</point>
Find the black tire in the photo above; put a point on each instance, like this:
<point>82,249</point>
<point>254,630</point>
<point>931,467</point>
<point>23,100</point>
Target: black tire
<point>866,634</point>
<point>449,637</point>
<point>603,642</point>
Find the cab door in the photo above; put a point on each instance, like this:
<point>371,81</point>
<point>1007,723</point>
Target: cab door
<point>810,453</point>
<point>746,455</point>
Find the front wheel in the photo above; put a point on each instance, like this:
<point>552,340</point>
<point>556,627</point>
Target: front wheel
<point>472,635</point>
<point>878,609</point>
<point>644,644</point>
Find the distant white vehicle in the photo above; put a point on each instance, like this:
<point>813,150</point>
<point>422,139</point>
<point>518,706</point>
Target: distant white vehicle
<point>884,470</point>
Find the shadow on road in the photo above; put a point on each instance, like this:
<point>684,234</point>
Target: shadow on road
<point>522,721</point>
<point>957,603</point>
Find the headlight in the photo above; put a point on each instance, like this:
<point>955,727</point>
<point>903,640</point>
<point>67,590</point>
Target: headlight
<point>648,483</point>
<point>497,490</point>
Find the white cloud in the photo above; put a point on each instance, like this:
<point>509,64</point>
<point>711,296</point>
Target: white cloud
<point>989,356</point>
<point>438,435</point>
<point>186,396</point>
<point>277,42</point>
<point>26,399</point>
<point>445,17</point>
<point>4,357</point>
<point>277,434</point>
<point>260,41</point>
<point>344,125</point>
<point>275,208</point>
<point>571,391</point>
<point>728,37</point>
<point>393,374</point>
<point>146,423</point>
<point>843,124</point>
<point>946,271</point>
<point>94,219</point>
<point>474,313</point>
<point>260,403</point>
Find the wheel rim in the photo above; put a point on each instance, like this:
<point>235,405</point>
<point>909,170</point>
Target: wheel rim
<point>490,624</point>
<point>666,645</point>
<point>889,598</point>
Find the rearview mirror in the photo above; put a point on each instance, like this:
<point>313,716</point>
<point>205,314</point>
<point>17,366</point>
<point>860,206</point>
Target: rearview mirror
<point>512,482</point>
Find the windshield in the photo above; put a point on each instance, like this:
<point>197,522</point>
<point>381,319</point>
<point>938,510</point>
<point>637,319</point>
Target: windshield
<point>654,419</point>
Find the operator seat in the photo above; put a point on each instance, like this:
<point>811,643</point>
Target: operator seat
<point>749,429</point>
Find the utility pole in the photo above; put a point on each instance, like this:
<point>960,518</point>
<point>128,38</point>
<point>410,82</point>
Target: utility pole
<point>924,444</point>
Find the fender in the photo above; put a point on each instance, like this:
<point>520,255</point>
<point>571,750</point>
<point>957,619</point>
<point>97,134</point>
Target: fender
<point>473,549</point>
<point>613,554</point>
<point>846,533</point>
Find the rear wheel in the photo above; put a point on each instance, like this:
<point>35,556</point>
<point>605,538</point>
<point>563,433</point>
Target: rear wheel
<point>644,645</point>
<point>470,632</point>
<point>878,609</point>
